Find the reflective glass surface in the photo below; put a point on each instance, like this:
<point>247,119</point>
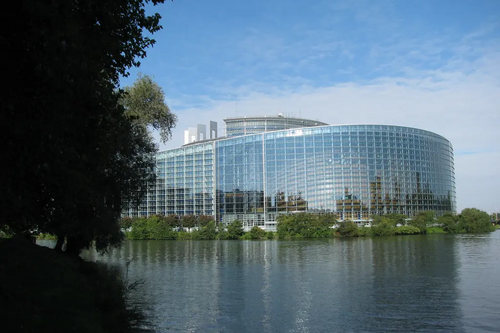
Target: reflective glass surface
<point>184,183</point>
<point>354,171</point>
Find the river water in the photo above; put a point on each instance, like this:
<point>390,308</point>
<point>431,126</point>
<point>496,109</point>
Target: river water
<point>433,283</point>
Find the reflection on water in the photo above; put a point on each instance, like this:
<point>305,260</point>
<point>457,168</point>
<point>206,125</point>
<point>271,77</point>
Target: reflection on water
<point>433,283</point>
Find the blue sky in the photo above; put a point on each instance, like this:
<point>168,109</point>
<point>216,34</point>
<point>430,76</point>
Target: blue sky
<point>431,64</point>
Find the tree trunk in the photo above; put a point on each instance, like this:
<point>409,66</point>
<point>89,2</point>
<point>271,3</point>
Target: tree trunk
<point>74,245</point>
<point>60,243</point>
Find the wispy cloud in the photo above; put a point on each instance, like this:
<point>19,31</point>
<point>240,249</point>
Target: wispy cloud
<point>434,65</point>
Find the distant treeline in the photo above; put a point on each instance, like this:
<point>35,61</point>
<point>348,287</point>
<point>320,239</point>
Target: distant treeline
<point>305,225</point>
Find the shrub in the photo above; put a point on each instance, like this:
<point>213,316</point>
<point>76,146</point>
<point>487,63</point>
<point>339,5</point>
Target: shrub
<point>348,229</point>
<point>235,230</point>
<point>182,235</point>
<point>208,232</point>
<point>450,223</point>
<point>139,229</point>
<point>435,230</point>
<point>305,225</point>
<point>423,220</point>
<point>271,235</point>
<point>406,230</point>
<point>255,233</point>
<point>385,228</point>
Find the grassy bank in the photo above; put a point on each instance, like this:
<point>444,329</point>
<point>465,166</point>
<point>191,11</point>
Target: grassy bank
<point>45,291</point>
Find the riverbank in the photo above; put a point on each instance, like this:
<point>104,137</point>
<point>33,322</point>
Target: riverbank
<point>46,291</point>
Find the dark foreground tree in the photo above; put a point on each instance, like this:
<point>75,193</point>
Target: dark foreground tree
<point>71,157</point>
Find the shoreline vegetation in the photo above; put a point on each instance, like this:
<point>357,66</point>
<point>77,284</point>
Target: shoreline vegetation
<point>43,290</point>
<point>305,225</point>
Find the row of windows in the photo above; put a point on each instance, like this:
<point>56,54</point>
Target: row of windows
<point>329,168</point>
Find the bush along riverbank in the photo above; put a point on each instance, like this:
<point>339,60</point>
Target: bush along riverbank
<point>46,291</point>
<point>305,225</point>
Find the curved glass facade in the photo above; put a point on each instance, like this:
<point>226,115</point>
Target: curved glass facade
<point>354,171</point>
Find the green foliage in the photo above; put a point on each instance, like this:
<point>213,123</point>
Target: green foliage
<point>397,218</point>
<point>450,223</point>
<point>255,233</point>
<point>5,231</point>
<point>172,221</point>
<point>475,221</point>
<point>305,225</point>
<point>222,232</point>
<point>436,230</point>
<point>139,229</point>
<point>153,227</point>
<point>157,228</point>
<point>188,221</point>
<point>144,102</point>
<point>364,231</point>
<point>235,230</point>
<point>181,235</point>
<point>376,219</point>
<point>209,231</point>
<point>203,220</point>
<point>46,236</point>
<point>423,220</point>
<point>126,222</point>
<point>384,228</point>
<point>348,229</point>
<point>406,230</point>
<point>271,235</point>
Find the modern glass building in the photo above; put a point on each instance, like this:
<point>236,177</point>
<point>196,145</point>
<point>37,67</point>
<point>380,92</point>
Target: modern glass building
<point>354,171</point>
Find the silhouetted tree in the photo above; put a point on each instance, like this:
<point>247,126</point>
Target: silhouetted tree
<point>71,156</point>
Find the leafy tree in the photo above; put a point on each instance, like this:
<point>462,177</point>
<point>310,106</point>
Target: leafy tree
<point>158,228</point>
<point>475,221</point>
<point>144,102</point>
<point>450,223</point>
<point>235,230</point>
<point>140,229</point>
<point>348,228</point>
<point>188,221</point>
<point>406,230</point>
<point>71,157</point>
<point>397,218</point>
<point>256,233</point>
<point>126,222</point>
<point>203,220</point>
<point>222,232</point>
<point>172,220</point>
<point>376,219</point>
<point>423,220</point>
<point>305,225</point>
<point>209,231</point>
<point>385,228</point>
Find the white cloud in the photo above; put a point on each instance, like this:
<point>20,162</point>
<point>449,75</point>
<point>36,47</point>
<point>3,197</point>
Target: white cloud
<point>461,105</point>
